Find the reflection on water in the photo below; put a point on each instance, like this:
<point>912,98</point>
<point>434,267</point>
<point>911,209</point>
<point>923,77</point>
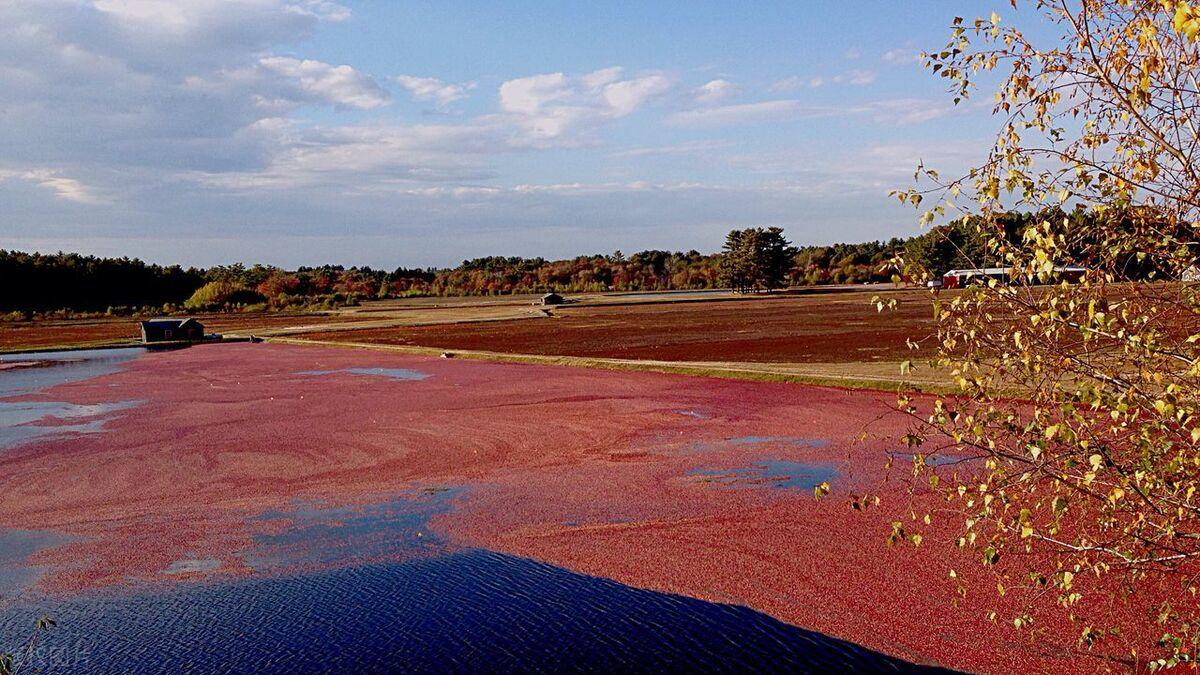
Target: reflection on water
<point>53,368</point>
<point>393,373</point>
<point>463,612</point>
<point>774,473</point>
<point>310,536</point>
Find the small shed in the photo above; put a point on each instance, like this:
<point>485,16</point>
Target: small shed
<point>552,299</point>
<point>172,330</point>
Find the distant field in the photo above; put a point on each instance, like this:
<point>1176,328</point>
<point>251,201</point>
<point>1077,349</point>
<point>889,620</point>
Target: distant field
<point>819,327</point>
<point>85,332</point>
<point>820,335</point>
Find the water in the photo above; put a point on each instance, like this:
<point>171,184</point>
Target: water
<point>193,566</point>
<point>64,367</point>
<point>468,611</point>
<point>310,536</point>
<point>16,547</point>
<point>773,473</point>
<point>393,373</point>
<point>22,421</point>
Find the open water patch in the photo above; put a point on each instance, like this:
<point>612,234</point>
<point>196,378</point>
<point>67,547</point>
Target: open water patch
<point>470,611</point>
<point>193,566</point>
<point>17,573</point>
<point>23,421</point>
<point>770,473</point>
<point>392,373</point>
<point>311,536</point>
<point>48,369</point>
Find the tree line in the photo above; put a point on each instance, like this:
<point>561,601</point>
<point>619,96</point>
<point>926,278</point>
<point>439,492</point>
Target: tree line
<point>752,259</point>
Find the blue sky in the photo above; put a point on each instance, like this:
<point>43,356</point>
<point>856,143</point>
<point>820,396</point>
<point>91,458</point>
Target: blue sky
<point>421,133</point>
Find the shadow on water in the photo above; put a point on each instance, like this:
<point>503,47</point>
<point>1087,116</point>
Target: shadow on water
<point>469,611</point>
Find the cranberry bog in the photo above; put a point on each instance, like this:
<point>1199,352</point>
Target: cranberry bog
<point>821,326</point>
<point>246,463</point>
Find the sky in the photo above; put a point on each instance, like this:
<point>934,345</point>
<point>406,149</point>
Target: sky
<point>396,133</point>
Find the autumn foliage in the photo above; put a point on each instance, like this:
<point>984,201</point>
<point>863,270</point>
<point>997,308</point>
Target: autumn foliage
<point>1078,404</point>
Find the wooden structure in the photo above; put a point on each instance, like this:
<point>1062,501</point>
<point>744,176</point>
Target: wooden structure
<point>172,330</point>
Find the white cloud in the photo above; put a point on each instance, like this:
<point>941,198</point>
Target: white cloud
<point>338,85</point>
<point>890,111</point>
<point>678,149</point>
<point>121,86</point>
<point>173,16</point>
<point>902,55</point>
<point>433,89</point>
<point>64,188</point>
<point>528,95</point>
<point>715,91</point>
<point>857,78</point>
<point>744,113</point>
<point>626,96</point>
<point>908,110</point>
<point>550,107</point>
<point>355,156</point>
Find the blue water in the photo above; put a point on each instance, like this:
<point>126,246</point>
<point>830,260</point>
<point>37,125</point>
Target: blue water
<point>473,611</point>
<point>67,366</point>
<point>17,575</point>
<point>772,473</point>
<point>309,535</point>
<point>22,421</point>
<point>393,373</point>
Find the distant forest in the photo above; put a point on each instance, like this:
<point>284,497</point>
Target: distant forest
<point>73,283</point>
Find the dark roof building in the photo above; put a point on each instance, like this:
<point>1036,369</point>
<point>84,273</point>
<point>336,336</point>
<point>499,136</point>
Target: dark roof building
<point>170,330</point>
<point>552,299</point>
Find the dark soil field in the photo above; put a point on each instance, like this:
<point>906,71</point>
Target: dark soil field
<point>826,327</point>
